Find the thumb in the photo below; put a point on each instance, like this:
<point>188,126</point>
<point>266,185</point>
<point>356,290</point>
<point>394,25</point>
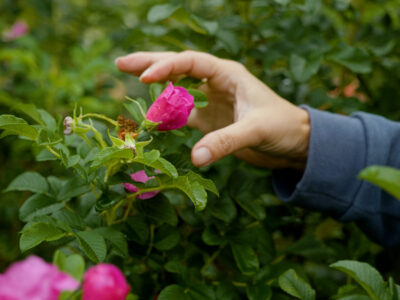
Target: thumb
<point>220,143</point>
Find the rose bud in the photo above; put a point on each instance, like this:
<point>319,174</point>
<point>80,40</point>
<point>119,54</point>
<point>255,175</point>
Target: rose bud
<point>34,279</point>
<point>68,124</point>
<point>104,282</point>
<point>171,108</point>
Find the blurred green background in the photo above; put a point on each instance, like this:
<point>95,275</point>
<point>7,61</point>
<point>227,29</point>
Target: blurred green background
<point>336,55</point>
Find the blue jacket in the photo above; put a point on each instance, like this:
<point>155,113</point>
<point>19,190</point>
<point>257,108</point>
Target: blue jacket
<point>340,147</point>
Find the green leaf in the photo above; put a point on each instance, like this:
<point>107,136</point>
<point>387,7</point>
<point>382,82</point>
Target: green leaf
<point>156,89</point>
<point>250,205</point>
<point>72,188</point>
<point>140,229</point>
<point>223,209</point>
<point>116,238</point>
<point>38,205</point>
<point>368,277</point>
<point>29,181</point>
<point>48,137</point>
<point>295,286</point>
<point>159,209</point>
<point>73,265</point>
<point>38,233</point>
<point>246,259</point>
<point>385,177</point>
<point>16,126</point>
<point>136,110</point>
<point>67,219</point>
<point>189,82</point>
<point>208,184</point>
<point>354,58</point>
<point>260,291</point>
<point>200,99</point>
<point>161,12</point>
<point>109,154</point>
<point>48,119</point>
<point>153,159</point>
<point>303,69</point>
<point>93,244</point>
<point>173,292</point>
<point>29,110</point>
<point>193,189</point>
<point>166,238</point>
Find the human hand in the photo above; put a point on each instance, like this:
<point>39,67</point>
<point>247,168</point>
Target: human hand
<point>244,116</point>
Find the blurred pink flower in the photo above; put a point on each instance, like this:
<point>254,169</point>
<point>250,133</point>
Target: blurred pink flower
<point>171,108</point>
<point>140,176</point>
<point>34,279</point>
<point>20,28</point>
<point>104,282</point>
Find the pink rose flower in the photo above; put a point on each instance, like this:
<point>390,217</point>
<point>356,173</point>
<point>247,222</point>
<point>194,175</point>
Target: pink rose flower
<point>104,282</point>
<point>140,176</point>
<point>20,28</point>
<point>171,108</point>
<point>34,279</point>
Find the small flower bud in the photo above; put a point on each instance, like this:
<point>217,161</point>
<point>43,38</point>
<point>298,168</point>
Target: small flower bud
<point>68,124</point>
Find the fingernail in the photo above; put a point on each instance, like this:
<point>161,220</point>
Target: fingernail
<point>145,73</point>
<point>116,60</point>
<point>202,156</point>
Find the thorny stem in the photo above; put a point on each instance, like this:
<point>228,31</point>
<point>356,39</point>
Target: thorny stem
<point>152,227</point>
<point>212,258</point>
<point>98,116</point>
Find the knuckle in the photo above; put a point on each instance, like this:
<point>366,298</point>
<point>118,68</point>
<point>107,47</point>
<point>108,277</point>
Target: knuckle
<point>225,142</point>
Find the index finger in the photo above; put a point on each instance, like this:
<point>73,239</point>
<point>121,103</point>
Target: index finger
<point>195,64</point>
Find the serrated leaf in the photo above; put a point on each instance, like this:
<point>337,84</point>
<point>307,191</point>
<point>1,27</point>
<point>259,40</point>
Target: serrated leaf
<point>38,205</point>
<point>72,188</point>
<point>295,286</point>
<point>108,154</point>
<point>386,178</point>
<point>153,159</point>
<point>29,181</point>
<point>246,259</point>
<point>116,238</point>
<point>93,245</point>
<point>367,276</point>
<point>16,126</point>
<point>38,233</point>
<point>208,184</point>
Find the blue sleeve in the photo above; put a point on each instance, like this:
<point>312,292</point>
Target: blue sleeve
<point>340,147</point>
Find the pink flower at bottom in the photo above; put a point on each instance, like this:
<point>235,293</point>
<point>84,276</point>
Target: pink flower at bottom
<point>140,176</point>
<point>104,282</point>
<point>34,279</point>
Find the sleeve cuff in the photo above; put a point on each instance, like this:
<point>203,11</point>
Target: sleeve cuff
<point>337,153</point>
